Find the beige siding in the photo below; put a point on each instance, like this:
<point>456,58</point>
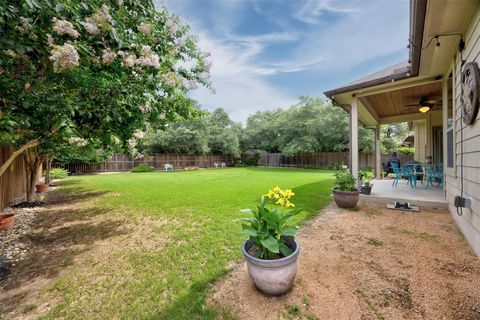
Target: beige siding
<point>469,222</point>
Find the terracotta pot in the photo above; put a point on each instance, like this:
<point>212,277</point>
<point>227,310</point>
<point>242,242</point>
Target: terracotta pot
<point>41,187</point>
<point>273,277</point>
<point>6,221</point>
<point>345,199</point>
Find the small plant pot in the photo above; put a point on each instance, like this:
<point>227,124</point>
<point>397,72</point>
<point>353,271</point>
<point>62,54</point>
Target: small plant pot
<point>41,187</point>
<point>273,277</point>
<point>6,221</point>
<point>366,190</point>
<point>345,199</point>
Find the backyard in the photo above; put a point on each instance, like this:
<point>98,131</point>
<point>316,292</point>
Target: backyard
<point>144,245</point>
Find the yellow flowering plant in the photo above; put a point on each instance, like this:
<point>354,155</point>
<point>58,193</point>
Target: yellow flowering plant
<point>270,223</point>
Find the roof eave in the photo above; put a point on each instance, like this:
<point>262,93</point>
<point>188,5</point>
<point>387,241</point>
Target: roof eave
<point>418,10</point>
<point>366,84</point>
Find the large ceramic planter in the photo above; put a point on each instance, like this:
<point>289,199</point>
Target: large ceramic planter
<point>6,221</point>
<point>345,199</point>
<point>273,277</point>
<point>41,187</point>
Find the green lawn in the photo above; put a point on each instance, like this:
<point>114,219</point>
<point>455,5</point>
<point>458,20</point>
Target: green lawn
<point>181,238</point>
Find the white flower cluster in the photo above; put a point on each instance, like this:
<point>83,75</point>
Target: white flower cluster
<point>132,143</point>
<point>139,134</point>
<point>100,19</point>
<point>171,25</point>
<point>129,59</point>
<point>62,27</point>
<point>91,27</point>
<point>148,58</point>
<point>145,28</point>
<point>102,16</point>
<point>108,56</point>
<point>144,109</point>
<point>77,141</point>
<point>24,26</point>
<point>171,79</point>
<point>64,57</point>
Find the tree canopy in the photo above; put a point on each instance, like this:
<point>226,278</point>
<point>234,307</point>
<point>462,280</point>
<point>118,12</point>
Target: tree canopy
<point>213,133</point>
<point>92,72</point>
<point>312,125</point>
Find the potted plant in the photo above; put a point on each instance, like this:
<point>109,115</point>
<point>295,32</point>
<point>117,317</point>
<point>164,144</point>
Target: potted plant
<point>345,193</point>
<point>367,184</point>
<point>6,221</point>
<point>271,250</point>
<point>41,187</point>
<point>367,187</point>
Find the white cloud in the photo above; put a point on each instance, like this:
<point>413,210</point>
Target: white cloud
<point>312,10</point>
<point>239,84</point>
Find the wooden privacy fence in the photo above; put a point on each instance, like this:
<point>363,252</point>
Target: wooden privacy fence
<point>13,181</point>
<point>321,159</point>
<point>119,162</point>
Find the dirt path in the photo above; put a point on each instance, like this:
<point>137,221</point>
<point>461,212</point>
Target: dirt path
<point>372,263</point>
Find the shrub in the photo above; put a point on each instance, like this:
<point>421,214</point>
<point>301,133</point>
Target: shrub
<point>253,161</point>
<point>407,151</point>
<point>142,168</point>
<point>58,173</point>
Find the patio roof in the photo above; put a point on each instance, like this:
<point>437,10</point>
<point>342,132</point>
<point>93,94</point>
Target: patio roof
<point>383,96</point>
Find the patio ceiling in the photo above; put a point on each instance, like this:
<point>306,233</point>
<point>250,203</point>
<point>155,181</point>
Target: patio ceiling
<point>403,101</point>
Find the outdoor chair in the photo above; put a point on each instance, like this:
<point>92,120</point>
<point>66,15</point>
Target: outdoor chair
<point>398,174</point>
<point>411,176</point>
<point>434,175</point>
<point>418,169</point>
<point>168,167</point>
<point>216,165</point>
<point>224,165</point>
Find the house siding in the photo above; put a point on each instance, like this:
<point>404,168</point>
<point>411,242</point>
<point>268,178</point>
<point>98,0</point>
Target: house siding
<point>469,221</point>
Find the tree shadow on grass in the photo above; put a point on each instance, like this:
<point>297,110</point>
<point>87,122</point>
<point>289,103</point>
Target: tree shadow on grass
<point>190,305</point>
<point>62,230</point>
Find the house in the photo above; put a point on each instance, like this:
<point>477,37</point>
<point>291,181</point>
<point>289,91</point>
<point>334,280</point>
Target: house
<point>438,89</point>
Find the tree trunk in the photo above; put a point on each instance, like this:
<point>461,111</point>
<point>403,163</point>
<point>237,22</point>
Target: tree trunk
<point>48,164</point>
<point>15,154</point>
<point>33,164</point>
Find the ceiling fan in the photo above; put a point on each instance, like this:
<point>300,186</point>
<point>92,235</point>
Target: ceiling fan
<point>425,104</point>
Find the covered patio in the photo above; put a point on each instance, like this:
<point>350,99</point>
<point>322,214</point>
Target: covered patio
<point>383,192</point>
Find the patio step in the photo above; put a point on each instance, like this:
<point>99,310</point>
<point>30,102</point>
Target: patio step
<point>425,203</point>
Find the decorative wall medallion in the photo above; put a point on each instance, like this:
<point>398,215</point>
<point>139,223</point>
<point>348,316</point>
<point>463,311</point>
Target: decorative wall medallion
<point>470,92</point>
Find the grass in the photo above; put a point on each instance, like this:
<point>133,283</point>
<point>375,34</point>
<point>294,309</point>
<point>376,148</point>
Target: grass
<point>187,239</point>
<point>375,242</point>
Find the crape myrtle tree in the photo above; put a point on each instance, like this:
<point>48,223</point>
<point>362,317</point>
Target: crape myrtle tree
<point>91,72</point>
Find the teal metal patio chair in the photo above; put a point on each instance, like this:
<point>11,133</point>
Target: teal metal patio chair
<point>434,175</point>
<point>398,174</point>
<point>411,176</point>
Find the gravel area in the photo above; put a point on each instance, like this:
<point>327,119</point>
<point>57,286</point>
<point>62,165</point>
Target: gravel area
<point>15,243</point>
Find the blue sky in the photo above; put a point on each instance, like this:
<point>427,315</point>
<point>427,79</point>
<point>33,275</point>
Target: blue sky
<point>267,53</point>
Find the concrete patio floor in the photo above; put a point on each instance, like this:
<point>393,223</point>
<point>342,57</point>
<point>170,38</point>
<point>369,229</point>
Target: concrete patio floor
<point>383,192</point>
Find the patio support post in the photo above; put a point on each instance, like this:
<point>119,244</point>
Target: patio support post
<point>378,158</point>
<point>354,137</point>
